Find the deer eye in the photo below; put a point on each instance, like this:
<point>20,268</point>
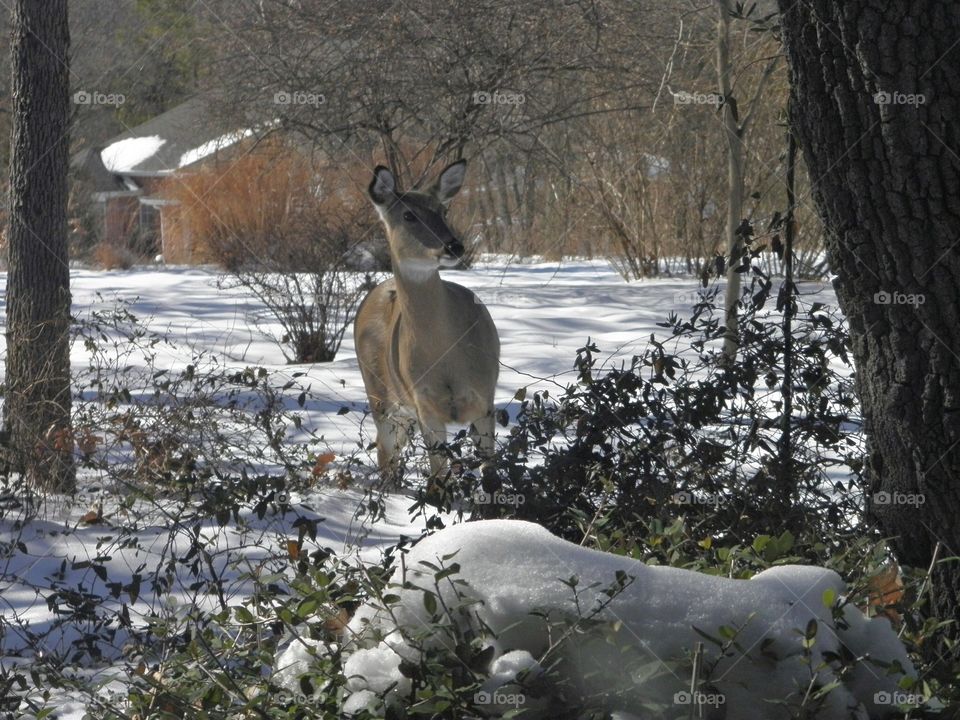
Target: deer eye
<point>409,216</point>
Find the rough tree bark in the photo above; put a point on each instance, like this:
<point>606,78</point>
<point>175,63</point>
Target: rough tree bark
<point>876,108</point>
<point>37,401</point>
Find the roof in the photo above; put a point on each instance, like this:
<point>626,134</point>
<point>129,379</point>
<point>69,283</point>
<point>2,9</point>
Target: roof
<point>168,142</point>
<point>89,164</point>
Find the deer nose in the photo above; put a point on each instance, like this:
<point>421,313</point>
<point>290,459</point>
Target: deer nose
<point>455,248</point>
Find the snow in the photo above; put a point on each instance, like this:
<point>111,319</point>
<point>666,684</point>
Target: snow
<point>544,312</point>
<point>508,666</point>
<point>512,579</point>
<point>208,148</point>
<point>296,659</point>
<point>504,689</point>
<point>124,155</point>
<point>371,672</point>
<point>657,165</point>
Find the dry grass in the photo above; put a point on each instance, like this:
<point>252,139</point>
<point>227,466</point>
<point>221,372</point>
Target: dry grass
<point>107,256</point>
<point>263,209</point>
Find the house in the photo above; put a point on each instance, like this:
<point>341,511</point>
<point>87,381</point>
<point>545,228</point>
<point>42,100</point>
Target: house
<point>125,177</point>
<point>168,186</point>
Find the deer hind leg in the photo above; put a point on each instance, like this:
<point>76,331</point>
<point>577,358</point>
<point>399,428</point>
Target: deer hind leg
<point>392,435</point>
<point>434,435</point>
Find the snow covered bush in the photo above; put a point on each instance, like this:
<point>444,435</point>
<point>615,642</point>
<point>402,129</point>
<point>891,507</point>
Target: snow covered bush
<point>678,430</point>
<point>180,456</point>
<point>563,631</point>
<point>150,424</point>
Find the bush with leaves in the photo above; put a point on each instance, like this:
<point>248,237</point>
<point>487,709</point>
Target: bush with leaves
<point>234,661</point>
<point>184,465</point>
<point>155,427</point>
<point>591,462</point>
<point>681,430</point>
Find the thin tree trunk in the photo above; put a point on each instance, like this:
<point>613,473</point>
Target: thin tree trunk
<point>734,180</point>
<point>786,448</point>
<point>37,401</point>
<point>875,104</point>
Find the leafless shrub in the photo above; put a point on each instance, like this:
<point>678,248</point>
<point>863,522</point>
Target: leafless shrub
<point>287,232</point>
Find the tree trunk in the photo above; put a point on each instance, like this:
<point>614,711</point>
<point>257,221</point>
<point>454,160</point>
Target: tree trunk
<point>734,181</point>
<point>37,402</point>
<point>876,107</point>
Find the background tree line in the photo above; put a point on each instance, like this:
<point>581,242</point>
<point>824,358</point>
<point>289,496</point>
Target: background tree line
<point>599,121</point>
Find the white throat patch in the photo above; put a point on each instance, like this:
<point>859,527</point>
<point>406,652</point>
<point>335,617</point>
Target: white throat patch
<point>417,269</point>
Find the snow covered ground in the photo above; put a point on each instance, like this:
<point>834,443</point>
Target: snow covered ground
<point>544,313</point>
<point>511,576</point>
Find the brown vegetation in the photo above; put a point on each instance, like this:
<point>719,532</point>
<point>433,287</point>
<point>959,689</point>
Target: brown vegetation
<point>266,208</point>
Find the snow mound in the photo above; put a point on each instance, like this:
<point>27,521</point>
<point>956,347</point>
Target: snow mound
<point>124,155</point>
<point>295,660</point>
<point>371,673</point>
<point>515,578</point>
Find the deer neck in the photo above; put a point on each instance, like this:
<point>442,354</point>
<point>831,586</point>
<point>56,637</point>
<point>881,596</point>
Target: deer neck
<point>420,290</point>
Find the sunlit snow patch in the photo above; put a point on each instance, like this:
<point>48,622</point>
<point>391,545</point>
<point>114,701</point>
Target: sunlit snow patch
<point>125,155</point>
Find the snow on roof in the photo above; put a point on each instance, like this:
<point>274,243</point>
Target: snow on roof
<point>511,577</point>
<point>208,148</point>
<point>124,155</point>
<point>168,142</point>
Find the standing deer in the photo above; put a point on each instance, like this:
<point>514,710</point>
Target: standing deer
<point>428,349</point>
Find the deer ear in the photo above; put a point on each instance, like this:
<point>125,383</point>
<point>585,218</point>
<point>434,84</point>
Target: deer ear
<point>382,186</point>
<point>450,181</point>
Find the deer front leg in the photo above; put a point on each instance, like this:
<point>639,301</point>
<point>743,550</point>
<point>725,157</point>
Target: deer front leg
<point>392,435</point>
<point>434,435</point>
<point>483,433</point>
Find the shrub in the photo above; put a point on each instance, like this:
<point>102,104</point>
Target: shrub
<point>189,456</point>
<point>153,427</point>
<point>287,233</point>
<point>312,305</point>
<point>282,652</point>
<point>678,430</point>
<point>108,256</point>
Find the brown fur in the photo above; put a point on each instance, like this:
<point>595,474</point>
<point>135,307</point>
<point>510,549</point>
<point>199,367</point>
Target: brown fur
<point>428,349</point>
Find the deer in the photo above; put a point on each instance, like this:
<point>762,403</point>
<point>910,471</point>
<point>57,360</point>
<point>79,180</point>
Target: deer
<point>428,350</point>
